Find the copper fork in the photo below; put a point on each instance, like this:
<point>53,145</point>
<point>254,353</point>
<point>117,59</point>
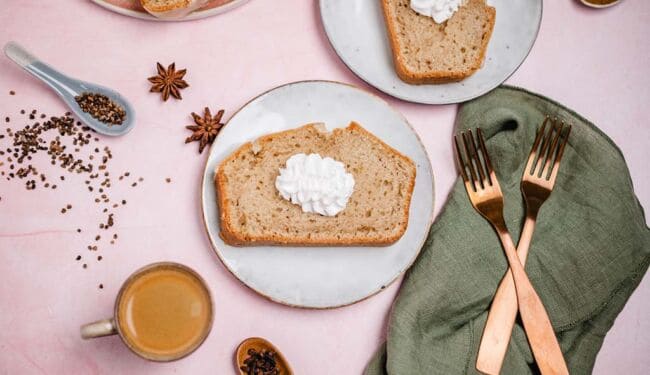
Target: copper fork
<point>536,186</point>
<point>486,197</point>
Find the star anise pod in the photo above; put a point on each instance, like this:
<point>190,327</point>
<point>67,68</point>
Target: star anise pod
<point>206,128</point>
<point>168,81</point>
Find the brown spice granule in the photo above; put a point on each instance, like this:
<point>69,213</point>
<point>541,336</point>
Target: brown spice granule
<point>98,237</point>
<point>63,210</point>
<point>78,230</point>
<point>85,265</point>
<point>101,286</point>
<point>12,92</point>
<point>99,257</point>
<point>78,257</point>
<point>168,180</point>
<point>7,119</point>
<point>102,108</point>
<point>69,206</point>
<point>134,184</point>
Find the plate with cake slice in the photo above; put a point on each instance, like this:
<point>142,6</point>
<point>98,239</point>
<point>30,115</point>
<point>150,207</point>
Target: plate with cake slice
<point>432,51</point>
<point>169,10</point>
<point>317,194</point>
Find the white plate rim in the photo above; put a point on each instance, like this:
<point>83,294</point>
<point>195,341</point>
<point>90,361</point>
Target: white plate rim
<point>199,14</point>
<point>397,95</point>
<point>380,288</point>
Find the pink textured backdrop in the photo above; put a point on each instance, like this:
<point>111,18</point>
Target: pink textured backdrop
<point>596,62</point>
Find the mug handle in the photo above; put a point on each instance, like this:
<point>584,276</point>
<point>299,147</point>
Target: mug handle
<point>99,328</point>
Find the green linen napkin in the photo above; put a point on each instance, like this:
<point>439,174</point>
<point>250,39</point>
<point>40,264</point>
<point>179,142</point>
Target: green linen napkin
<point>590,249</point>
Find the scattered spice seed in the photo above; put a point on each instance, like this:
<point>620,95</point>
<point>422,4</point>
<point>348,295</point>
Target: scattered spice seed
<point>78,230</point>
<point>98,237</point>
<point>102,108</point>
<point>101,286</point>
<point>12,92</point>
<point>99,257</point>
<point>78,257</point>
<point>85,265</point>
<point>168,180</point>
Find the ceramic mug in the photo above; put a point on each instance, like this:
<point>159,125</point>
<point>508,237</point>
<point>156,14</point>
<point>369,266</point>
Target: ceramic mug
<point>163,312</point>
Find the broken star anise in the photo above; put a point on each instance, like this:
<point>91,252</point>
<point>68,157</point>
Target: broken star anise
<point>206,128</point>
<point>168,81</point>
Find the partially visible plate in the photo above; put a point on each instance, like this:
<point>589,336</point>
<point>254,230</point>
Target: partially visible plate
<point>132,8</point>
<point>357,33</point>
<point>320,277</point>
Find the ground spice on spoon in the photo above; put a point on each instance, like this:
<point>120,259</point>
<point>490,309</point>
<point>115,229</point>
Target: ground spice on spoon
<point>102,108</point>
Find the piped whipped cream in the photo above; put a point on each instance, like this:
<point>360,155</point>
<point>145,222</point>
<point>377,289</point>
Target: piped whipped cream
<point>439,10</point>
<point>317,184</point>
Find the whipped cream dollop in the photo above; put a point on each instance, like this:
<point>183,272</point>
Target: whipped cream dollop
<point>439,10</point>
<point>319,185</point>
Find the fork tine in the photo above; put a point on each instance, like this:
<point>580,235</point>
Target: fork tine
<point>533,151</point>
<point>560,152</point>
<point>477,160</point>
<point>486,157</point>
<point>470,164</point>
<point>544,149</point>
<point>552,152</point>
<point>461,162</point>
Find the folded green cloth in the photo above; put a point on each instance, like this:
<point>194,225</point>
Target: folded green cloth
<point>590,249</point>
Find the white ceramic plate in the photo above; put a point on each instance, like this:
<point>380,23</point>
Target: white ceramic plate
<point>357,32</point>
<point>127,8</point>
<point>320,277</point>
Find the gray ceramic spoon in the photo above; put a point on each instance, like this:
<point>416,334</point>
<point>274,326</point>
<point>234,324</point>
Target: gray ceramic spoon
<point>67,88</point>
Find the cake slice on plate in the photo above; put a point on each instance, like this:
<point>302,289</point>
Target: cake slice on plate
<point>425,51</point>
<point>255,210</point>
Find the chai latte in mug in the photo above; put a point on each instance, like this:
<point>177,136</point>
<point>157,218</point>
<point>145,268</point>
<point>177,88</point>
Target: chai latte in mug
<point>164,312</point>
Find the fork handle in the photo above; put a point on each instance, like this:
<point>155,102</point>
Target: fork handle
<point>537,324</point>
<point>503,312</point>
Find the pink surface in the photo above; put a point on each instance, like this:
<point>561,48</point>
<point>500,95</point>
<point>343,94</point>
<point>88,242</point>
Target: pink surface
<point>595,62</point>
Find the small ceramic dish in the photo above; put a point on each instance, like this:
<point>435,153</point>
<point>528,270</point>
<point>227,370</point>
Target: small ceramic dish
<point>357,32</point>
<point>132,8</point>
<point>599,6</point>
<point>320,277</point>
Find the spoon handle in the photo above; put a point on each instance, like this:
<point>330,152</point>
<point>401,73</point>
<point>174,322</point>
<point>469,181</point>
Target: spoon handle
<point>53,78</point>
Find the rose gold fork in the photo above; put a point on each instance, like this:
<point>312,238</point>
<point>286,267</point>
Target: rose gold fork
<point>486,197</point>
<point>536,186</point>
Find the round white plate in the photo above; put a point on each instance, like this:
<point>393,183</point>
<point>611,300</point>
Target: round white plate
<point>320,277</point>
<point>125,7</point>
<point>357,32</point>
